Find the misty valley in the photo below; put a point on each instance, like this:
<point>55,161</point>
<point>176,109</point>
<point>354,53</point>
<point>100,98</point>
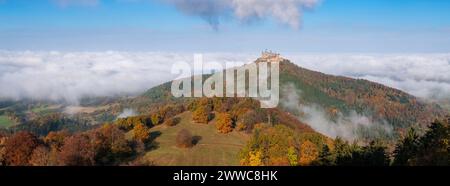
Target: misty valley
<point>321,120</point>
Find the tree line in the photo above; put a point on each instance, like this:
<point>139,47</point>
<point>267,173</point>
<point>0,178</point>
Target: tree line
<point>280,145</point>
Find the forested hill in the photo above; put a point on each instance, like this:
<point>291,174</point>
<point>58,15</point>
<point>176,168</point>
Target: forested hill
<point>337,95</point>
<point>342,94</point>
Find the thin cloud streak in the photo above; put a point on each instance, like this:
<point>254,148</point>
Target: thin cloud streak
<point>287,12</point>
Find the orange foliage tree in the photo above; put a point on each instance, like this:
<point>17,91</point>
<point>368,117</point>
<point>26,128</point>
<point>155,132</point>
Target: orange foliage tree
<point>224,123</point>
<point>141,132</point>
<point>19,147</point>
<point>308,153</point>
<point>201,115</point>
<point>41,156</point>
<point>77,150</point>
<point>56,139</point>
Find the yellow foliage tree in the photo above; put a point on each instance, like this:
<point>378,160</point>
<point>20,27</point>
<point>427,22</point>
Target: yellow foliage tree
<point>156,119</point>
<point>255,158</point>
<point>200,115</point>
<point>292,156</point>
<point>224,123</point>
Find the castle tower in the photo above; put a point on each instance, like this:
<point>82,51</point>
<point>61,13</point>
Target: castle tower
<point>269,56</point>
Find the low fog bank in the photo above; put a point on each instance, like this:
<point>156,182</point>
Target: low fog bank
<point>73,76</point>
<point>422,75</point>
<point>351,126</point>
<point>127,112</point>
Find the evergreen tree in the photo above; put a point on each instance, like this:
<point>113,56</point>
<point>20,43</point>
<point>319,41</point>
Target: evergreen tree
<point>406,150</point>
<point>434,145</point>
<point>342,151</point>
<point>375,154</point>
<point>326,157</point>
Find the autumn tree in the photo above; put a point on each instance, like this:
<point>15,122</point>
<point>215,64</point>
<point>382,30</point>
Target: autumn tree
<point>184,139</point>
<point>292,156</point>
<point>125,123</point>
<point>129,122</point>
<point>110,145</point>
<point>246,121</point>
<point>2,149</point>
<point>270,146</point>
<point>204,102</point>
<point>156,118</point>
<point>56,139</point>
<point>172,121</point>
<point>118,145</point>
<point>255,158</point>
<point>141,132</point>
<point>77,150</point>
<point>41,156</point>
<point>308,153</point>
<point>201,115</point>
<point>169,111</point>
<point>19,148</point>
<point>224,123</point>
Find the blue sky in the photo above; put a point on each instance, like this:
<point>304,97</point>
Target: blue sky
<point>367,26</point>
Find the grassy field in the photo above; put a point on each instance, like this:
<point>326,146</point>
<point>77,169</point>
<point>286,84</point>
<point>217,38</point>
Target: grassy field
<point>213,148</point>
<point>5,122</point>
<point>44,109</point>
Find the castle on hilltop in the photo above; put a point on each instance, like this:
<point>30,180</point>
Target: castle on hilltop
<point>269,56</point>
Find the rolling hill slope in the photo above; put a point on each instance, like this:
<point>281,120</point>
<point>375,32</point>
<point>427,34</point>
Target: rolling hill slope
<point>342,94</point>
<point>338,96</point>
<point>221,149</point>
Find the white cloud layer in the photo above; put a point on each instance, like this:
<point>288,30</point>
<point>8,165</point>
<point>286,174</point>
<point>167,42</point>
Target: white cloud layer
<point>422,75</point>
<point>69,76</point>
